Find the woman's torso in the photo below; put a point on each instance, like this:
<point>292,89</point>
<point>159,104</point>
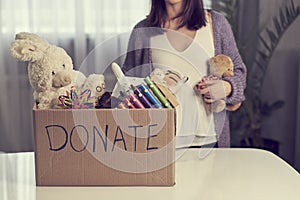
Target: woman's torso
<point>188,56</point>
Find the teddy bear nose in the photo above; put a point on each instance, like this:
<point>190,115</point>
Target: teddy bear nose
<point>229,73</point>
<point>67,80</point>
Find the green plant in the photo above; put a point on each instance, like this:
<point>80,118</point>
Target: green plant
<point>247,122</point>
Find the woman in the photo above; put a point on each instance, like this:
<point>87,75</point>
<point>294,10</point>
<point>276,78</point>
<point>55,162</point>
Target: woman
<point>189,18</point>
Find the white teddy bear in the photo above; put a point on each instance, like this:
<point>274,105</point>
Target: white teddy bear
<point>50,71</point>
<point>50,68</point>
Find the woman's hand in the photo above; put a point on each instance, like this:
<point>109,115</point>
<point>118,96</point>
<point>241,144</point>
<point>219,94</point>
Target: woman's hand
<point>213,90</point>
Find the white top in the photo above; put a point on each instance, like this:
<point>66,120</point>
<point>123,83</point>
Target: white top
<point>195,123</point>
<point>233,174</point>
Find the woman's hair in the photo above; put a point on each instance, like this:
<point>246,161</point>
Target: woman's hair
<point>192,14</point>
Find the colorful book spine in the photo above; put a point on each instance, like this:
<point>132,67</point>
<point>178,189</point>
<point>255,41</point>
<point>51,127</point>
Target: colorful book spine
<point>157,93</point>
<point>147,93</point>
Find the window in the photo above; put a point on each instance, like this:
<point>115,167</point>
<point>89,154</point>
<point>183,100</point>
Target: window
<point>69,16</point>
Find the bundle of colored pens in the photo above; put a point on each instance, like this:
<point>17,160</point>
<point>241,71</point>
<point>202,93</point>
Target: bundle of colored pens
<point>147,94</point>
<point>77,99</point>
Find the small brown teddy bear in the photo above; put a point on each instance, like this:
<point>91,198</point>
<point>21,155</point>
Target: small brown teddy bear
<point>220,66</point>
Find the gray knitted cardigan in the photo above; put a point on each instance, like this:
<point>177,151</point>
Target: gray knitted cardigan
<point>138,62</point>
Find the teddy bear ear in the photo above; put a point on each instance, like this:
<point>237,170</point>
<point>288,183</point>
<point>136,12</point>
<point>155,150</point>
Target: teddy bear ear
<point>101,76</point>
<point>213,59</point>
<point>26,50</point>
<point>32,37</point>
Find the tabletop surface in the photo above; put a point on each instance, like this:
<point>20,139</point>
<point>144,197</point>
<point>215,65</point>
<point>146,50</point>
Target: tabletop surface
<point>213,174</point>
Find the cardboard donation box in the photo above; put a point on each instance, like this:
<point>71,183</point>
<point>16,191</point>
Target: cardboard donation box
<point>112,147</point>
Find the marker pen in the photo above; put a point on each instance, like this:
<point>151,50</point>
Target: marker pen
<point>141,97</point>
<point>124,102</point>
<point>134,100</point>
<point>157,93</point>
<point>127,104</point>
<point>147,93</point>
<point>130,96</point>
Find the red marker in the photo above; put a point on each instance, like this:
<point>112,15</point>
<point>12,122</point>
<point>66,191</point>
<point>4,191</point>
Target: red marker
<point>128,104</point>
<point>126,101</point>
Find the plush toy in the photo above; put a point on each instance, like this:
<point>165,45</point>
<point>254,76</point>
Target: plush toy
<point>169,83</point>
<point>169,77</point>
<point>77,98</point>
<point>65,81</point>
<point>45,63</point>
<point>86,96</point>
<point>95,83</point>
<point>68,78</point>
<point>219,66</point>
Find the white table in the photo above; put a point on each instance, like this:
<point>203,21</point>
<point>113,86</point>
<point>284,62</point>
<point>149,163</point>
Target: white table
<point>224,174</point>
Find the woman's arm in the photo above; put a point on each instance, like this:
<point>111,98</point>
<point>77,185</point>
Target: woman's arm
<point>231,88</point>
<point>229,48</point>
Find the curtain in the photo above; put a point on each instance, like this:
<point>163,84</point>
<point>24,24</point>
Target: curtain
<point>75,25</point>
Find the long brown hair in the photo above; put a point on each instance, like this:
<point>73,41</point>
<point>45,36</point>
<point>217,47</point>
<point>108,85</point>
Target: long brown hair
<point>192,14</point>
